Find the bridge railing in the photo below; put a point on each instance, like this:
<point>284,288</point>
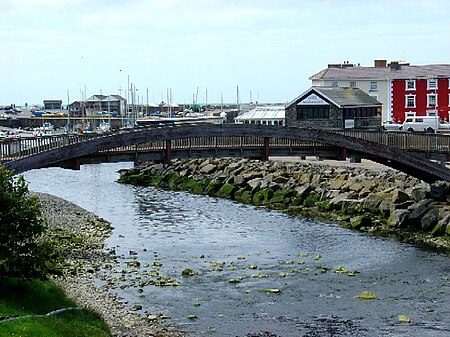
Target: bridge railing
<point>404,140</point>
<point>11,149</point>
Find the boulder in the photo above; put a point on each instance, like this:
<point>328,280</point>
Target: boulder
<point>360,221</point>
<point>337,202</point>
<point>239,180</point>
<point>208,168</point>
<point>430,219</point>
<point>418,211</point>
<point>254,183</point>
<point>399,218</point>
<point>386,207</point>
<point>398,196</point>
<point>419,193</point>
<point>439,190</point>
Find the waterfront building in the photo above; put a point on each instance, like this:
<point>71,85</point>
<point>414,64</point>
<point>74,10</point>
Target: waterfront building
<point>400,87</point>
<point>334,108</point>
<point>52,104</point>
<point>96,104</point>
<point>266,115</point>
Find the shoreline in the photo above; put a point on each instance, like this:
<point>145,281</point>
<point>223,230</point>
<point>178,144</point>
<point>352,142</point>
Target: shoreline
<point>84,267</point>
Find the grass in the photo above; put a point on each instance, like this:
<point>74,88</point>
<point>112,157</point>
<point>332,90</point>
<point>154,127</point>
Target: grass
<point>22,298</point>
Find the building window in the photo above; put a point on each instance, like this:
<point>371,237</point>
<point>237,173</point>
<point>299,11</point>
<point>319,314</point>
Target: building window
<point>334,84</point>
<point>431,100</point>
<point>313,112</point>
<point>410,101</point>
<point>373,86</point>
<point>352,84</point>
<point>410,84</point>
<point>432,84</point>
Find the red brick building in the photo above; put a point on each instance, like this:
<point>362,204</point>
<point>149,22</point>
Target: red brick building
<point>420,96</point>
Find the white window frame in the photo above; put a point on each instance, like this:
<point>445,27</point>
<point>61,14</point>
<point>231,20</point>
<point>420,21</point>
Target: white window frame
<point>334,84</point>
<point>353,84</point>
<point>448,99</point>
<point>429,83</point>
<point>429,99</point>
<point>373,86</point>
<point>448,79</point>
<point>413,82</point>
<point>406,101</point>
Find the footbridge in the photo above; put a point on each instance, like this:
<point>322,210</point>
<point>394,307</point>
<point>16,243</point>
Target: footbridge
<point>420,155</point>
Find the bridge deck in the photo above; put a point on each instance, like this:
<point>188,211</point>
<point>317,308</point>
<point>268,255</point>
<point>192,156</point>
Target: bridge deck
<point>401,150</point>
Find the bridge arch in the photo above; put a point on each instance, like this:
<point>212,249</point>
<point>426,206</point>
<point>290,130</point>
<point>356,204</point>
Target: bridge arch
<point>405,161</point>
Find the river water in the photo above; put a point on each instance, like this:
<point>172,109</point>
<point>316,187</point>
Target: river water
<point>257,272</point>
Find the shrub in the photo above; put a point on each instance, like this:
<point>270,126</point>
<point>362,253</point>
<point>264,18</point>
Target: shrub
<point>21,225</point>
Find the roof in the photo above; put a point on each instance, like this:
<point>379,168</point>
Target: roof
<point>383,73</point>
<point>99,98</point>
<point>340,96</point>
<point>263,112</point>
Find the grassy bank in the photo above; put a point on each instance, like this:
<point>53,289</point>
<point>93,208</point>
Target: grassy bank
<point>38,308</point>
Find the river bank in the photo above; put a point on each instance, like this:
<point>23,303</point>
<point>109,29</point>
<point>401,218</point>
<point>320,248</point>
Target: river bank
<point>378,201</point>
<point>86,234</point>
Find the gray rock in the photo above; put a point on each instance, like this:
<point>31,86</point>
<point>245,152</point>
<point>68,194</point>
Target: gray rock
<point>399,196</point>
<point>430,219</point>
<point>419,193</point>
<point>254,183</point>
<point>208,168</point>
<point>399,218</point>
<point>386,207</point>
<point>439,190</point>
<point>418,211</point>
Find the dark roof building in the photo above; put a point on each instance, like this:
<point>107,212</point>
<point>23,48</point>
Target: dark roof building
<point>334,108</point>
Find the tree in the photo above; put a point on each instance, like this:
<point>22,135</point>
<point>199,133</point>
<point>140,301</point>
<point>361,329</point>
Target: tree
<point>21,225</point>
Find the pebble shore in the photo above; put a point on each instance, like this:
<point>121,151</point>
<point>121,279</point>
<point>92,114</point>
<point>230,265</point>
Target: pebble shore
<point>78,282</point>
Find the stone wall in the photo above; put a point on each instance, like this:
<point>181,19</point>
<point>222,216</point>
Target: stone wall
<point>334,122</point>
<point>378,201</point>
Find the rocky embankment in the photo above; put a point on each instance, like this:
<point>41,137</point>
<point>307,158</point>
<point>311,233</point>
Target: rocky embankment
<point>384,202</point>
<point>78,239</point>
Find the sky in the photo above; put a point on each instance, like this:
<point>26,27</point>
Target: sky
<point>204,49</point>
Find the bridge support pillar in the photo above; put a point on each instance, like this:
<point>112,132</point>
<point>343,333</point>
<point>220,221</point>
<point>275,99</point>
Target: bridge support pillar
<point>342,154</point>
<point>76,164</point>
<point>266,148</point>
<point>167,152</point>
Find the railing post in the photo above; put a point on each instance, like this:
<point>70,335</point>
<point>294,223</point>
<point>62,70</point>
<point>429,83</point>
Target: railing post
<point>266,149</point>
<point>167,152</point>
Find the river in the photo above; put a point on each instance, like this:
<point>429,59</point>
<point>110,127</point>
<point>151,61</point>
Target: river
<point>257,272</point>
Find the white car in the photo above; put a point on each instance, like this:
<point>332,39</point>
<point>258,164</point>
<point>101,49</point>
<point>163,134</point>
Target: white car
<point>391,126</point>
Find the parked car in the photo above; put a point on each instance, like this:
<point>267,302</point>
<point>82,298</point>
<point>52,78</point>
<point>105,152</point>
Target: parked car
<point>39,113</point>
<point>391,126</point>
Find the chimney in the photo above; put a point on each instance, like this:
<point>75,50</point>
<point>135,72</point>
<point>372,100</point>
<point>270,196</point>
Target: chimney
<point>380,63</point>
<point>394,65</point>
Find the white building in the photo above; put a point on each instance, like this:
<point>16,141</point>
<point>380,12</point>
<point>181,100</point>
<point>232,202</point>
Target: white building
<point>265,115</point>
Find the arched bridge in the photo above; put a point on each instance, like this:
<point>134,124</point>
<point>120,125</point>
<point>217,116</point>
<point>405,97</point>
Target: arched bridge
<point>397,150</point>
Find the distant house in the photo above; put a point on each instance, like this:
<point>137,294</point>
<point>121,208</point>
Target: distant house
<point>52,104</point>
<point>113,104</point>
<point>100,104</point>
<point>266,115</point>
<point>334,108</point>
